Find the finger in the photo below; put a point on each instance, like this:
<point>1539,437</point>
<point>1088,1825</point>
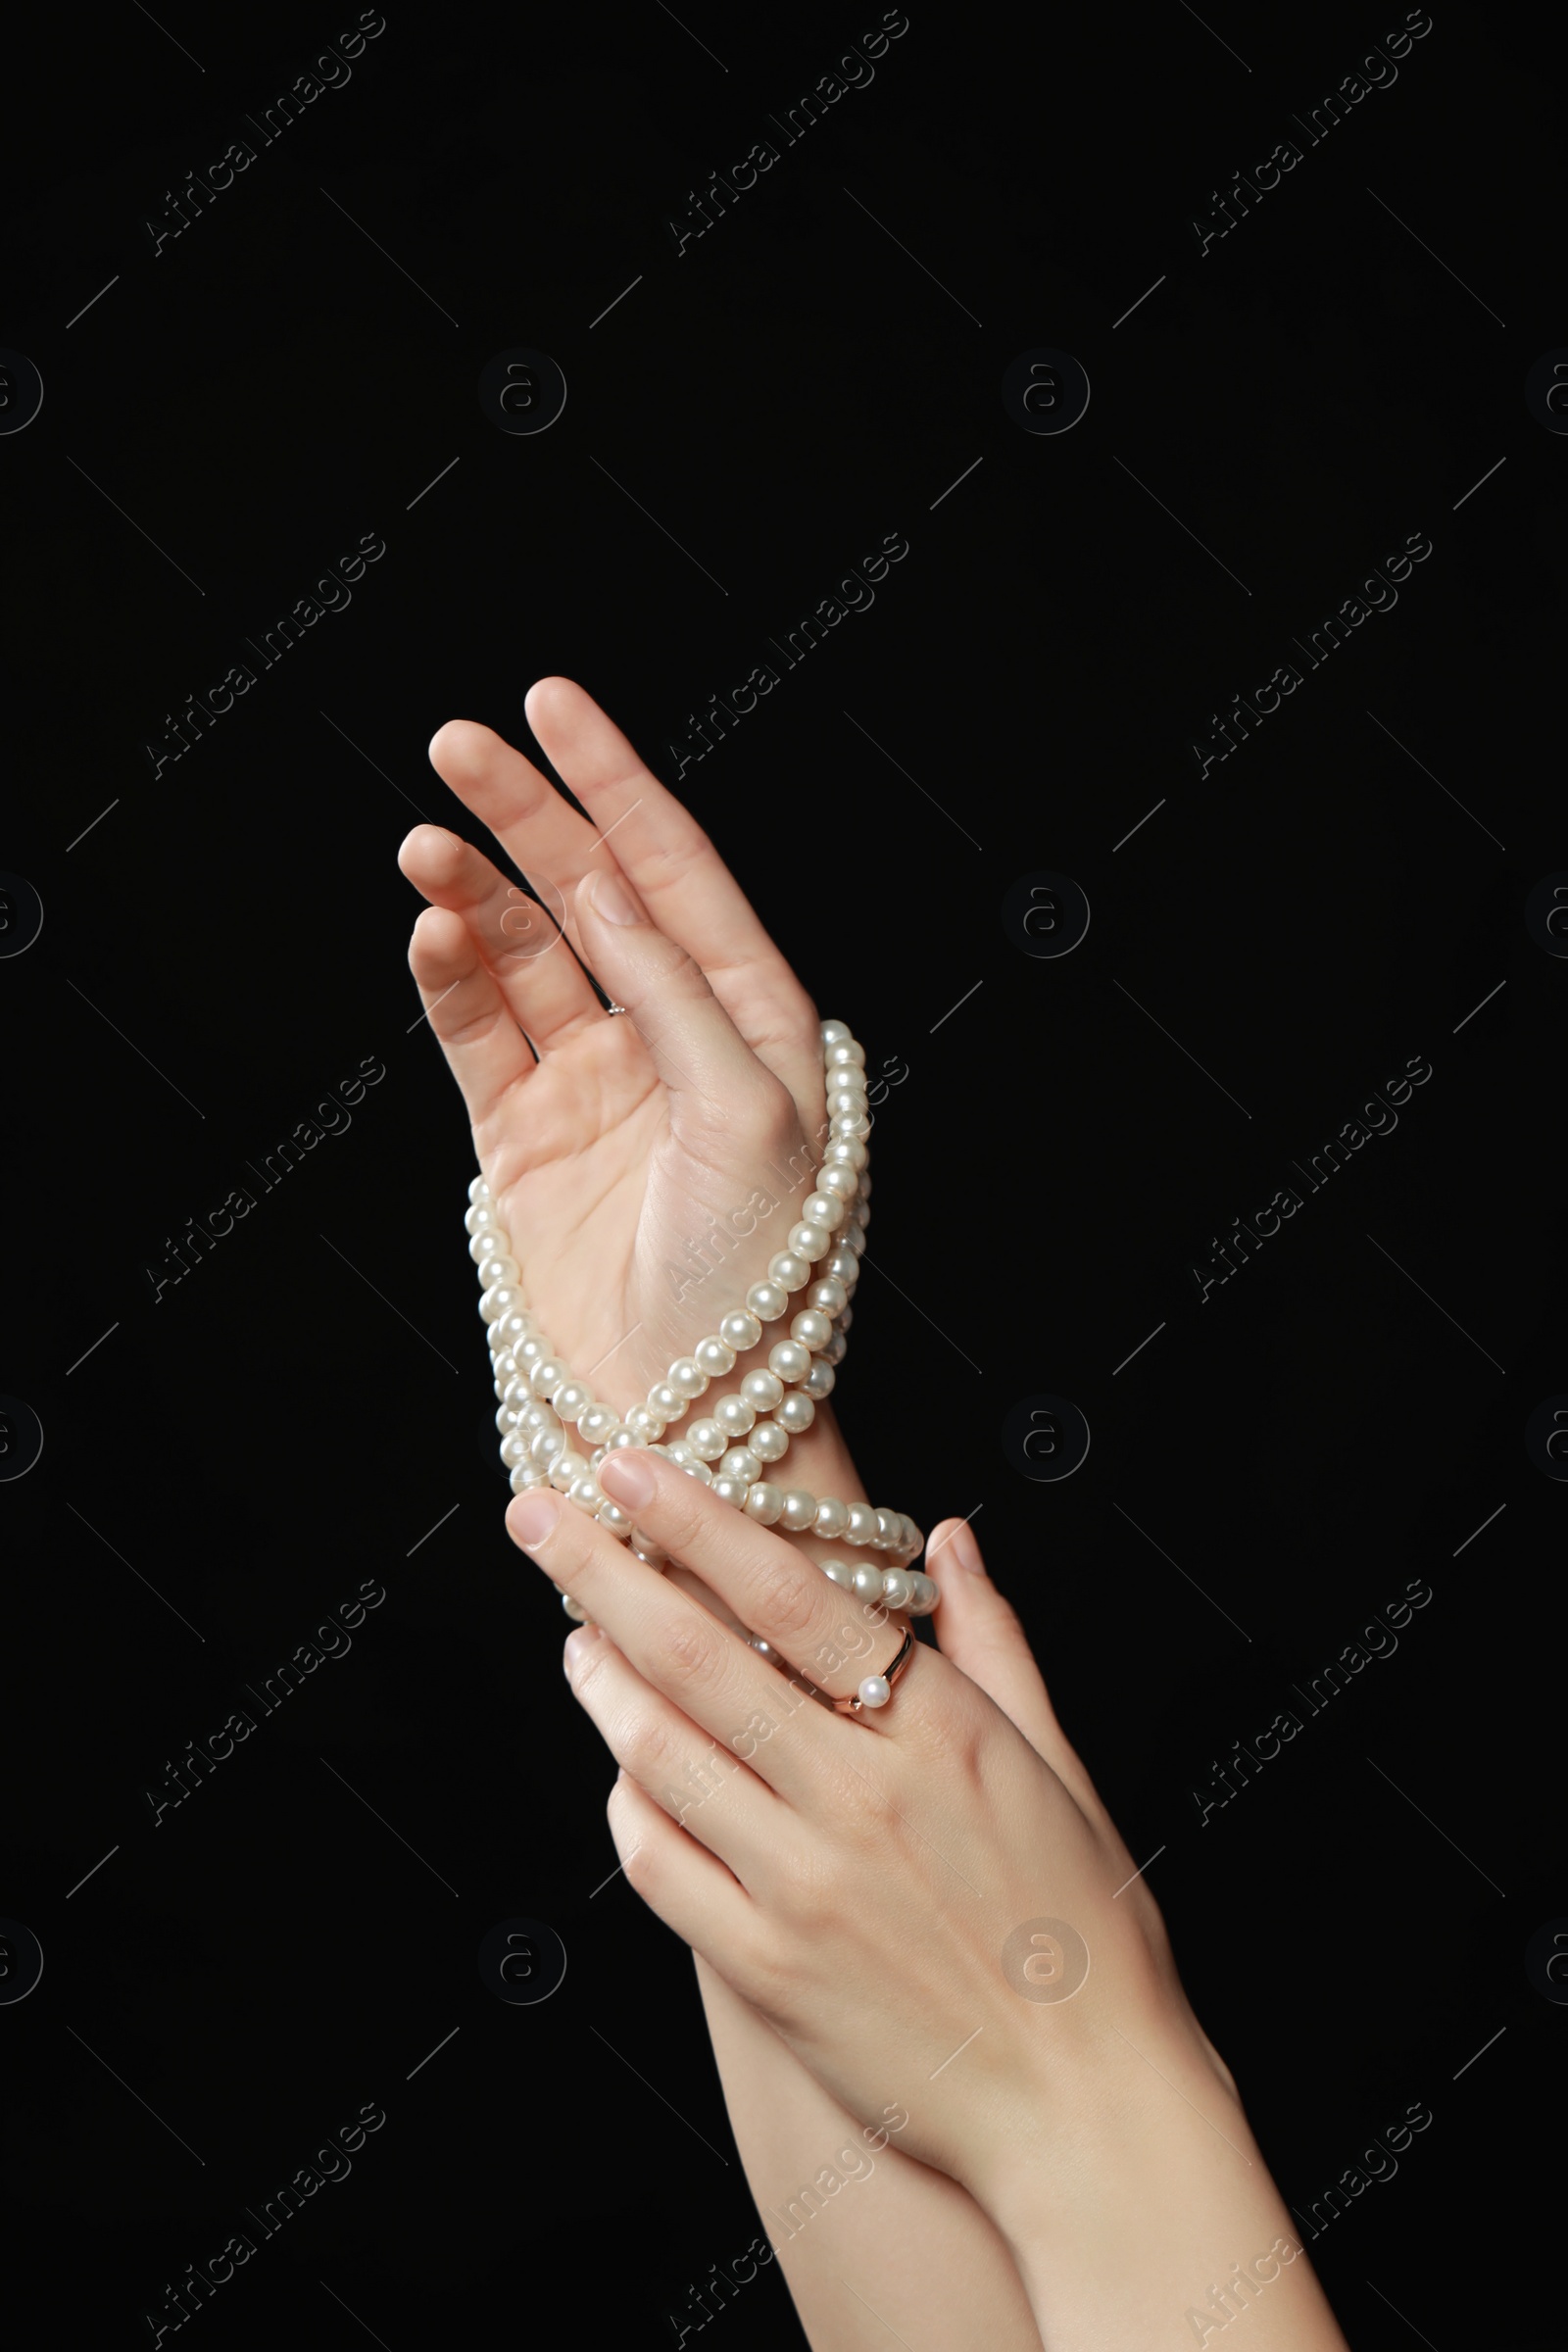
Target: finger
<point>703,1786</point>
<point>550,996</point>
<point>717,1087</point>
<point>835,1637</point>
<point>979,1630</point>
<point>543,835</point>
<point>681,877</point>
<point>679,1881</point>
<point>486,1051</point>
<point>675,1643</point>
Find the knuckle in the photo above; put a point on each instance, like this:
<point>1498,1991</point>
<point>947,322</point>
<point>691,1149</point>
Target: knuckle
<point>786,1603</point>
<point>644,1743</point>
<point>689,1656</point>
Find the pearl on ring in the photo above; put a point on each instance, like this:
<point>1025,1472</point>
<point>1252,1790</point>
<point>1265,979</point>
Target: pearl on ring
<point>876,1690</point>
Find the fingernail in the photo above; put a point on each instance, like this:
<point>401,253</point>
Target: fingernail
<point>532,1516</point>
<point>625,1479</point>
<point>966,1551</point>
<point>614,898</point>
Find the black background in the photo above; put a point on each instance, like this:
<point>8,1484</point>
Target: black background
<point>227,941</point>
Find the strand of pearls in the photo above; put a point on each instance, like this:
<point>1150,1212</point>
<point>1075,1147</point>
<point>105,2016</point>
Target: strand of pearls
<point>555,1432</point>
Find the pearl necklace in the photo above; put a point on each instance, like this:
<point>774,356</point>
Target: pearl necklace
<point>543,1406</point>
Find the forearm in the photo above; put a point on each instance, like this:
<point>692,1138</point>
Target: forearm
<point>868,2238</point>
<point>1142,2211</point>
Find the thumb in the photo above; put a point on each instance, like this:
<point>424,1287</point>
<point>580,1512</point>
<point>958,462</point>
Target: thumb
<point>979,1630</point>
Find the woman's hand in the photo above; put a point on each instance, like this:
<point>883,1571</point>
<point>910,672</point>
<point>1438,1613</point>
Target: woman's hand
<point>613,1155</point>
<point>930,1906</point>
<point>610,1159</point>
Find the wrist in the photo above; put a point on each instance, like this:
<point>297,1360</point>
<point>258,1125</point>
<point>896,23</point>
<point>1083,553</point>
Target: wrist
<point>1133,2196</point>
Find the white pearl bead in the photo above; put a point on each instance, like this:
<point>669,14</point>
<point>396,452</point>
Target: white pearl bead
<point>535,1414</point>
<point>834,1353</point>
<point>822,1208</point>
<point>832,1515</point>
<point>848,1152</point>
<point>546,1376</point>
<point>680,1450</point>
<point>788,1360</point>
<point>584,1492</point>
<point>796,1413</point>
<point>700,1471</point>
<point>731,1489</point>
<point>663,1400</point>
<point>595,1422</point>
<point>715,1357</point>
<point>764,1503</point>
<point>842,1050</point>
<point>707,1440</point>
<point>828,1295</point>
<point>841,1182</point>
<point>768,1299</point>
<point>742,1463</point>
<point>799,1509</point>
<point>515,1449</point>
<point>544,1446</point>
<point>481,1217</point>
<point>768,1442</point>
<point>734,1415</point>
<point>530,1351</point>
<point>876,1690</point>
<point>818,1382</point>
<point>869,1583</point>
<point>687,1377</point>
<point>898,1586</point>
<point>862,1523</point>
<point>644,1549</point>
<point>811,1241</point>
<point>845,1098</point>
<point>843,1266</point>
<point>856,1123</point>
<point>478,1189</point>
<point>812,1328</point>
<point>495,1270</point>
<point>887,1526</point>
<point>840,1573</point>
<point>925,1598</point>
<point>571,1398</point>
<point>575,1609</point>
<point>646,1427</point>
<point>790,1270</point>
<point>740,1331</point>
<point>763,1389</point>
<point>506,1418</point>
<point>524,1477</point>
<point>833,1032</point>
<point>612,1515</point>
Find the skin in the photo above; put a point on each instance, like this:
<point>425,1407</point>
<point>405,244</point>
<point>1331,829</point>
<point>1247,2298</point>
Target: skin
<point>1076,2172</point>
